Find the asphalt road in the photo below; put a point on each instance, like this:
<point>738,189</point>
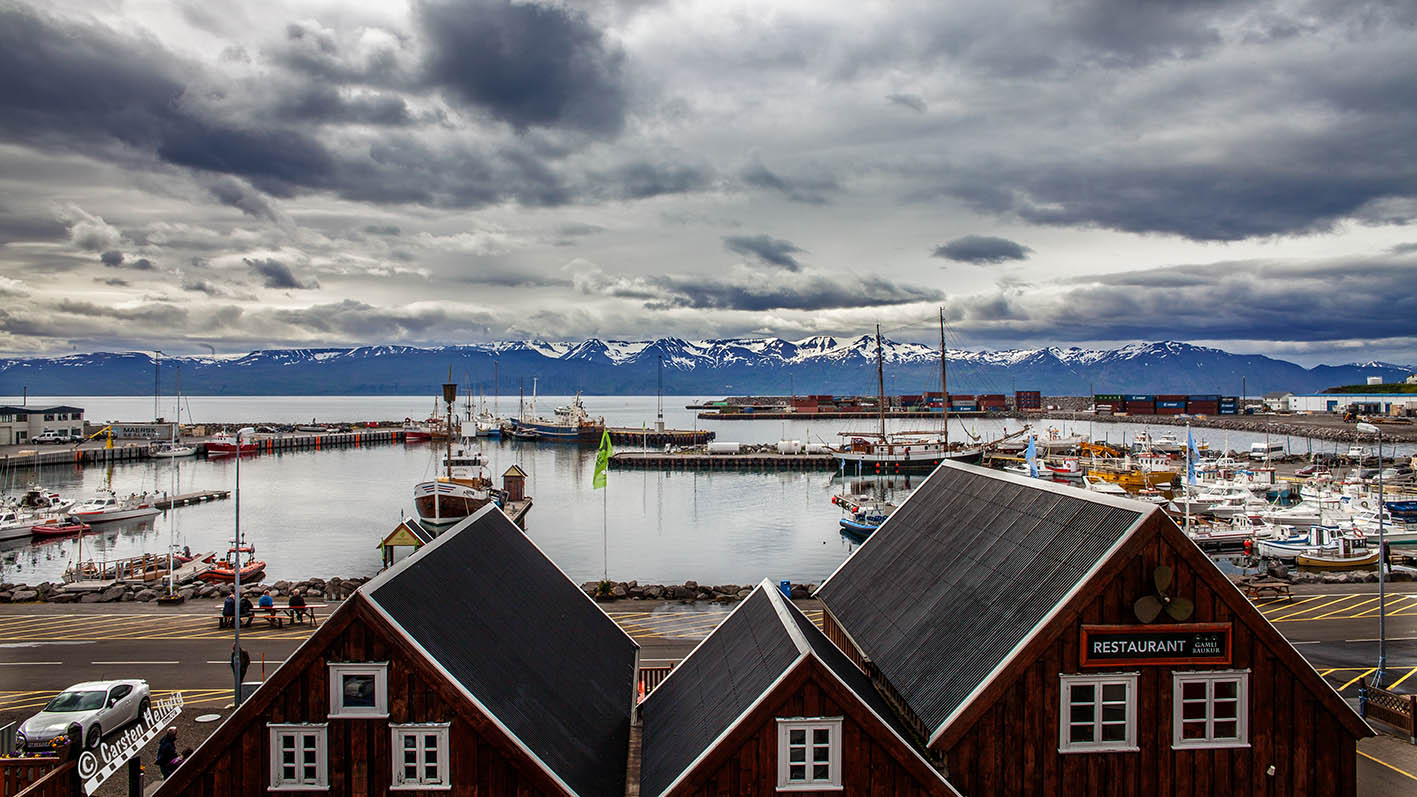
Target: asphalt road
<point>46,647</point>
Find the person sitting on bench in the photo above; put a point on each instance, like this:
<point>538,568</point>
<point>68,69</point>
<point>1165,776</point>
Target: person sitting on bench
<point>247,612</point>
<point>267,606</point>
<point>297,605</point>
<point>228,610</point>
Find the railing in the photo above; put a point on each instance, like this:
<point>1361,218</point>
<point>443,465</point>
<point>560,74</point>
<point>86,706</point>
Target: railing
<point>59,782</point>
<point>36,775</point>
<point>650,677</point>
<point>1397,710</point>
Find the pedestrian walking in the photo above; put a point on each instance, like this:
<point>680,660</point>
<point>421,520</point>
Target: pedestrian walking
<point>167,757</point>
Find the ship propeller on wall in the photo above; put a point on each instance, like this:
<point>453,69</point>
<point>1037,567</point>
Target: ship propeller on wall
<point>1148,607</point>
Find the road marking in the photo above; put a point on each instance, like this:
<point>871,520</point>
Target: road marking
<point>1326,672</point>
<point>1291,604</point>
<point>135,662</point>
<point>1390,639</point>
<point>1310,642</point>
<point>1395,684</point>
<point>1375,759</point>
<point>26,663</point>
<point>1350,607</point>
<point>1359,677</point>
<point>1310,609</point>
<point>1387,607</point>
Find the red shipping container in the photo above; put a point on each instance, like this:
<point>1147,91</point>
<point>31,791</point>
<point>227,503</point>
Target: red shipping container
<point>1170,397</point>
<point>1169,410</point>
<point>1141,408</point>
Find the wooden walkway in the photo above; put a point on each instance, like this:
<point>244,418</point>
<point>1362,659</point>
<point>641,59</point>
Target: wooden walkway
<point>191,498</point>
<point>762,461</point>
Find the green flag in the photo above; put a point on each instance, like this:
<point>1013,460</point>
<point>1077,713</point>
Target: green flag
<point>602,460</point>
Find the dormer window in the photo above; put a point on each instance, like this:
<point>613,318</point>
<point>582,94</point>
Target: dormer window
<point>359,689</point>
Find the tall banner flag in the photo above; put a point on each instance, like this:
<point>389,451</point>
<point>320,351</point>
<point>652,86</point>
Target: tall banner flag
<point>602,460</point>
<point>1191,456</point>
<point>1032,456</point>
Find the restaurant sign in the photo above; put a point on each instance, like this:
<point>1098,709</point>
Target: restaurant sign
<point>1177,643</point>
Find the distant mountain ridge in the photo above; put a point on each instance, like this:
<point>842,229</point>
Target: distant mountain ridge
<point>724,366</point>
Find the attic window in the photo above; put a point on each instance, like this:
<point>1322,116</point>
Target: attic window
<point>359,689</point>
<point>809,754</point>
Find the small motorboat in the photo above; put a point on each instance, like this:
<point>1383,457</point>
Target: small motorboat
<point>107,506</point>
<point>224,570</point>
<point>1350,551</point>
<point>862,518</point>
<point>59,527</point>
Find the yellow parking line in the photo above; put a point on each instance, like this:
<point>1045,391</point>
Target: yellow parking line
<point>1360,677</point>
<point>1390,601</point>
<point>1396,683</point>
<point>1297,603</point>
<point>1386,764</point>
<point>1312,608</point>
<point>1326,672</point>
<point>1350,607</point>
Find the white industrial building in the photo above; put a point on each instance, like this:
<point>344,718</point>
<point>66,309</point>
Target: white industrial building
<point>1367,403</point>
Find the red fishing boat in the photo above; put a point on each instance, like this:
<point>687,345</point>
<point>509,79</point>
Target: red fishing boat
<point>224,570</point>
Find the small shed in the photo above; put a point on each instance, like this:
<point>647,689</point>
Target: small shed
<point>514,484</point>
<point>407,537</point>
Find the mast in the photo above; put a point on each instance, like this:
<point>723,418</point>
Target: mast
<point>659,420</point>
<point>880,384</point>
<point>450,397</point>
<point>944,385</point>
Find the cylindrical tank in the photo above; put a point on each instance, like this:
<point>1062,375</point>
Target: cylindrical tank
<point>789,446</point>
<point>724,448</point>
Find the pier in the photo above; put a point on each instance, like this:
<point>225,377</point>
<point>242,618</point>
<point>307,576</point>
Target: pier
<point>135,451</point>
<point>628,435</point>
<point>187,499</point>
<point>836,415</point>
<point>703,461</point>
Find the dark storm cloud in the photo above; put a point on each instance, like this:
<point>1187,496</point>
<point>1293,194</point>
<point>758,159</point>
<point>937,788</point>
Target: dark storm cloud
<point>351,320</point>
<point>1245,300</point>
<point>116,282</point>
<point>773,251</point>
<point>912,101</point>
<point>811,189</point>
<point>275,274</point>
<point>746,292</point>
<point>979,249</point>
<point>323,104</point>
<point>643,179</point>
<point>237,194</point>
<point>1404,249</point>
<point>112,258</point>
<point>382,229</point>
<point>527,64</point>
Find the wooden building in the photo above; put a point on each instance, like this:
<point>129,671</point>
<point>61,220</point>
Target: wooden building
<point>514,484</point>
<point>1045,640</point>
<point>472,666</point>
<point>406,538</point>
<point>767,704</point>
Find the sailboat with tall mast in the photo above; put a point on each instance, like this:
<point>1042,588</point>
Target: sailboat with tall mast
<point>174,447</point>
<point>882,452</point>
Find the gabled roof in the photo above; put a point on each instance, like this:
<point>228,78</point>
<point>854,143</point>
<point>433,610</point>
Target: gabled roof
<point>514,470</point>
<point>728,674</point>
<point>523,642</point>
<point>413,528</point>
<point>963,572</point>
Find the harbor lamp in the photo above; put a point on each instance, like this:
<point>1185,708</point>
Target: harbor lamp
<point>241,433</point>
<point>1368,428</point>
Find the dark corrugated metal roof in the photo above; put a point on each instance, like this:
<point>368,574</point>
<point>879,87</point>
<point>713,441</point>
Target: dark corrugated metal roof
<point>509,626</point>
<point>711,689</point>
<point>963,571</point>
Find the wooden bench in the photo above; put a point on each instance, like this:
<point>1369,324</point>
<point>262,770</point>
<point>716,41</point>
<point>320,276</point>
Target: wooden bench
<point>273,616</point>
<point>1266,588</point>
<point>224,620</point>
<point>299,614</point>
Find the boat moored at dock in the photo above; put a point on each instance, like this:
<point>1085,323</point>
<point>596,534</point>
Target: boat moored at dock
<point>107,506</point>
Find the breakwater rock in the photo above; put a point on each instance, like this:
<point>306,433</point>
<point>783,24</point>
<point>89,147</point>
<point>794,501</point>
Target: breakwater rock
<point>688,591</point>
<point>314,590</point>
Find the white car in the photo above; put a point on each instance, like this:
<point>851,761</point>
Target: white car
<point>98,707</point>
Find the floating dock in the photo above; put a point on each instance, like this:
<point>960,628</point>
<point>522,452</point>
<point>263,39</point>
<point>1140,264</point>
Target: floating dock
<point>516,511</point>
<point>701,461</point>
<point>790,415</point>
<point>187,499</point>
<point>628,435</point>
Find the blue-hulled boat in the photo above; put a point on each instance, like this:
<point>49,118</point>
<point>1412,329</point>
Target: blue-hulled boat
<point>862,518</point>
<point>572,424</point>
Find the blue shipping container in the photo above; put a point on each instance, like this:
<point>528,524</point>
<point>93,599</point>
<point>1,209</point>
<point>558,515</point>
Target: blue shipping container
<point>1142,399</point>
<point>1204,398</point>
<point>1173,405</point>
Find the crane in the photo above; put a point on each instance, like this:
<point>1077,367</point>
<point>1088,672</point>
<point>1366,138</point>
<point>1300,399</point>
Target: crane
<point>107,430</point>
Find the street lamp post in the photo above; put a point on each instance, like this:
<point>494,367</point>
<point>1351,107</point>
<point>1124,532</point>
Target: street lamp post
<point>236,571</point>
<point>1368,428</point>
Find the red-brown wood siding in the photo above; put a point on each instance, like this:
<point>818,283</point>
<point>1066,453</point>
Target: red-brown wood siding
<point>1011,745</point>
<point>482,760</point>
<point>873,762</point>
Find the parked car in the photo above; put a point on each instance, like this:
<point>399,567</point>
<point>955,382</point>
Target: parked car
<point>98,707</point>
<point>50,436</point>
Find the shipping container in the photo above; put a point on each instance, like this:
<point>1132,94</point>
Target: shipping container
<point>964,406</point>
<point>1204,397</point>
<point>961,397</point>
<point>1140,398</point>
<point>1028,400</point>
<point>1170,397</point>
<point>1107,398</point>
<point>1227,411</point>
<point>1141,408</point>
<point>1170,410</point>
<point>1171,404</point>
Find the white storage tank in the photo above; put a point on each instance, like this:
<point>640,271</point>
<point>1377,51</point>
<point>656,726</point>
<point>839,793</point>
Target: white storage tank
<point>724,448</point>
<point>818,448</point>
<point>789,446</point>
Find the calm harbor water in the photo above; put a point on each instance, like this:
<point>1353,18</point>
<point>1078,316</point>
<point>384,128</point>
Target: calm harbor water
<point>321,513</point>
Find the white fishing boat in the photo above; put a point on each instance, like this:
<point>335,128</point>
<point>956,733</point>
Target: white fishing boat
<point>107,506</point>
<point>14,523</point>
<point>464,488</point>
<point>171,450</point>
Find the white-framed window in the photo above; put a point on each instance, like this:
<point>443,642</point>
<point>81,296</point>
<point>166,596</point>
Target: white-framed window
<point>420,756</point>
<point>1210,708</point>
<point>299,757</point>
<point>359,689</point>
<point>808,753</point>
<point>1097,713</point>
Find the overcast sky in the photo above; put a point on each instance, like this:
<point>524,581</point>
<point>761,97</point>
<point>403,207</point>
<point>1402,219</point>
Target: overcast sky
<point>184,174</point>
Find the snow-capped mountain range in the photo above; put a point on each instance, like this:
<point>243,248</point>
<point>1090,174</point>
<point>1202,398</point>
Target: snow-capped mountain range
<point>690,367</point>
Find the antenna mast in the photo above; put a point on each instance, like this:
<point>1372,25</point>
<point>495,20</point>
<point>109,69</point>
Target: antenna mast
<point>944,384</point>
<point>880,383</point>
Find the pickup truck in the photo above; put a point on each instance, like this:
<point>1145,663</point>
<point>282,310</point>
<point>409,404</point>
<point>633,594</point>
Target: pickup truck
<point>51,436</point>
